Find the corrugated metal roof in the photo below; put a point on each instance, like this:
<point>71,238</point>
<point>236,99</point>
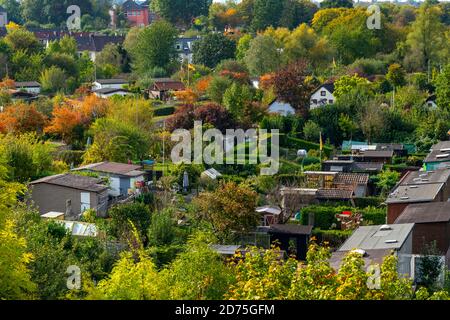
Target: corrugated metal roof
<point>376,237</point>
<point>414,193</point>
<point>425,213</point>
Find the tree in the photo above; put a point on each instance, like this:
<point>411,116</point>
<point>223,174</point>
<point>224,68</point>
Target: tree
<point>128,220</point>
<point>243,46</point>
<point>217,87</point>
<point>179,11</point>
<point>116,141</point>
<point>155,47</point>
<point>110,58</point>
<point>236,98</point>
<point>336,4</point>
<point>13,9</point>
<point>262,56</point>
<point>442,83</point>
<point>292,86</point>
<point>64,122</point>
<point>262,276</point>
<point>430,266</point>
<point>266,13</point>
<point>304,43</point>
<point>212,49</point>
<point>21,118</point>
<point>230,208</point>
<point>396,75</point>
<point>426,39</point>
<point>53,80</point>
<point>162,228</point>
<point>387,180</point>
<point>311,131</point>
<point>22,39</point>
<point>346,84</point>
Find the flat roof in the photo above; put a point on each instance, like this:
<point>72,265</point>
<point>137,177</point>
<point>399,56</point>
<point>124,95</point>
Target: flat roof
<point>74,181</point>
<point>123,169</point>
<point>111,81</point>
<point>414,193</point>
<point>225,249</point>
<point>425,213</point>
<point>290,228</point>
<point>378,237</point>
<point>110,90</point>
<point>370,257</point>
<point>269,209</point>
<point>426,177</point>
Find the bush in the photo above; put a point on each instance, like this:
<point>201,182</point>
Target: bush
<point>71,156</point>
<point>163,111</point>
<point>335,238</point>
<point>368,201</point>
<point>296,143</point>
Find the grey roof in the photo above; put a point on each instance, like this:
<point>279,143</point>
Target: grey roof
<point>337,161</point>
<point>123,169</point>
<point>426,177</point>
<point>73,181</point>
<point>290,229</point>
<point>375,237</point>
<point>439,152</point>
<point>370,257</point>
<point>111,81</point>
<point>329,86</point>
<point>367,166</point>
<point>225,249</point>
<point>377,153</point>
<point>390,146</point>
<point>109,90</point>
<point>425,213</point>
<point>414,193</point>
<point>336,194</point>
<point>29,84</point>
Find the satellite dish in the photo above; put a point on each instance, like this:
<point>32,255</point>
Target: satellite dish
<point>302,153</point>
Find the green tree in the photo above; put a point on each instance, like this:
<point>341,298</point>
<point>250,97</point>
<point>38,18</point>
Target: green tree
<point>155,47</point>
<point>336,4</point>
<point>396,75</point>
<point>262,56</point>
<point>243,46</point>
<point>387,180</point>
<point>426,39</point>
<point>346,84</point>
<point>230,208</point>
<point>266,13</point>
<point>212,49</point>
<point>442,84</point>
<point>126,219</point>
<point>179,11</point>
<point>236,98</point>
<point>22,39</point>
<point>53,80</point>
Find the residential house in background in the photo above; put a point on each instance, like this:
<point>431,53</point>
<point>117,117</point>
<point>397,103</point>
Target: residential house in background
<point>439,156</point>
<point>109,84</point>
<point>138,14</point>
<point>322,96</point>
<point>376,242</point>
<point>184,46</point>
<point>29,86</point>
<point>69,194</point>
<point>282,108</point>
<point>3,17</point>
<point>124,179</point>
<point>431,225</point>
<point>162,88</point>
<point>109,92</point>
<point>418,187</point>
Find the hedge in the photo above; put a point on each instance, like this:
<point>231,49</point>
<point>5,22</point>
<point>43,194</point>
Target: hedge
<point>368,201</point>
<point>163,111</point>
<point>325,216</point>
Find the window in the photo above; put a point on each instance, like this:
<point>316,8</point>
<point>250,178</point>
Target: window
<point>330,101</point>
<point>323,93</point>
<point>314,101</point>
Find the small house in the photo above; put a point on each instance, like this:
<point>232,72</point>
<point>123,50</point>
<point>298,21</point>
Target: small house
<point>376,242</point>
<point>3,17</point>
<point>124,179</point>
<point>106,93</point>
<point>439,156</point>
<point>418,187</point>
<point>162,88</point>
<point>184,47</point>
<point>269,214</point>
<point>292,238</point>
<point>29,86</point>
<point>322,96</point>
<point>69,193</point>
<point>282,108</point>
<point>431,224</point>
<point>108,84</point>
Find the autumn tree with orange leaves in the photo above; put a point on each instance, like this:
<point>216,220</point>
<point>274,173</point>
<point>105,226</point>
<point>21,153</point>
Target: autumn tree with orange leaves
<point>21,118</point>
<point>65,119</point>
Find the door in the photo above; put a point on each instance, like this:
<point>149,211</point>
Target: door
<point>85,201</point>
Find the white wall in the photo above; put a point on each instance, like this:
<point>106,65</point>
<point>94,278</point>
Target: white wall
<point>322,97</point>
<point>3,19</point>
<point>97,86</point>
